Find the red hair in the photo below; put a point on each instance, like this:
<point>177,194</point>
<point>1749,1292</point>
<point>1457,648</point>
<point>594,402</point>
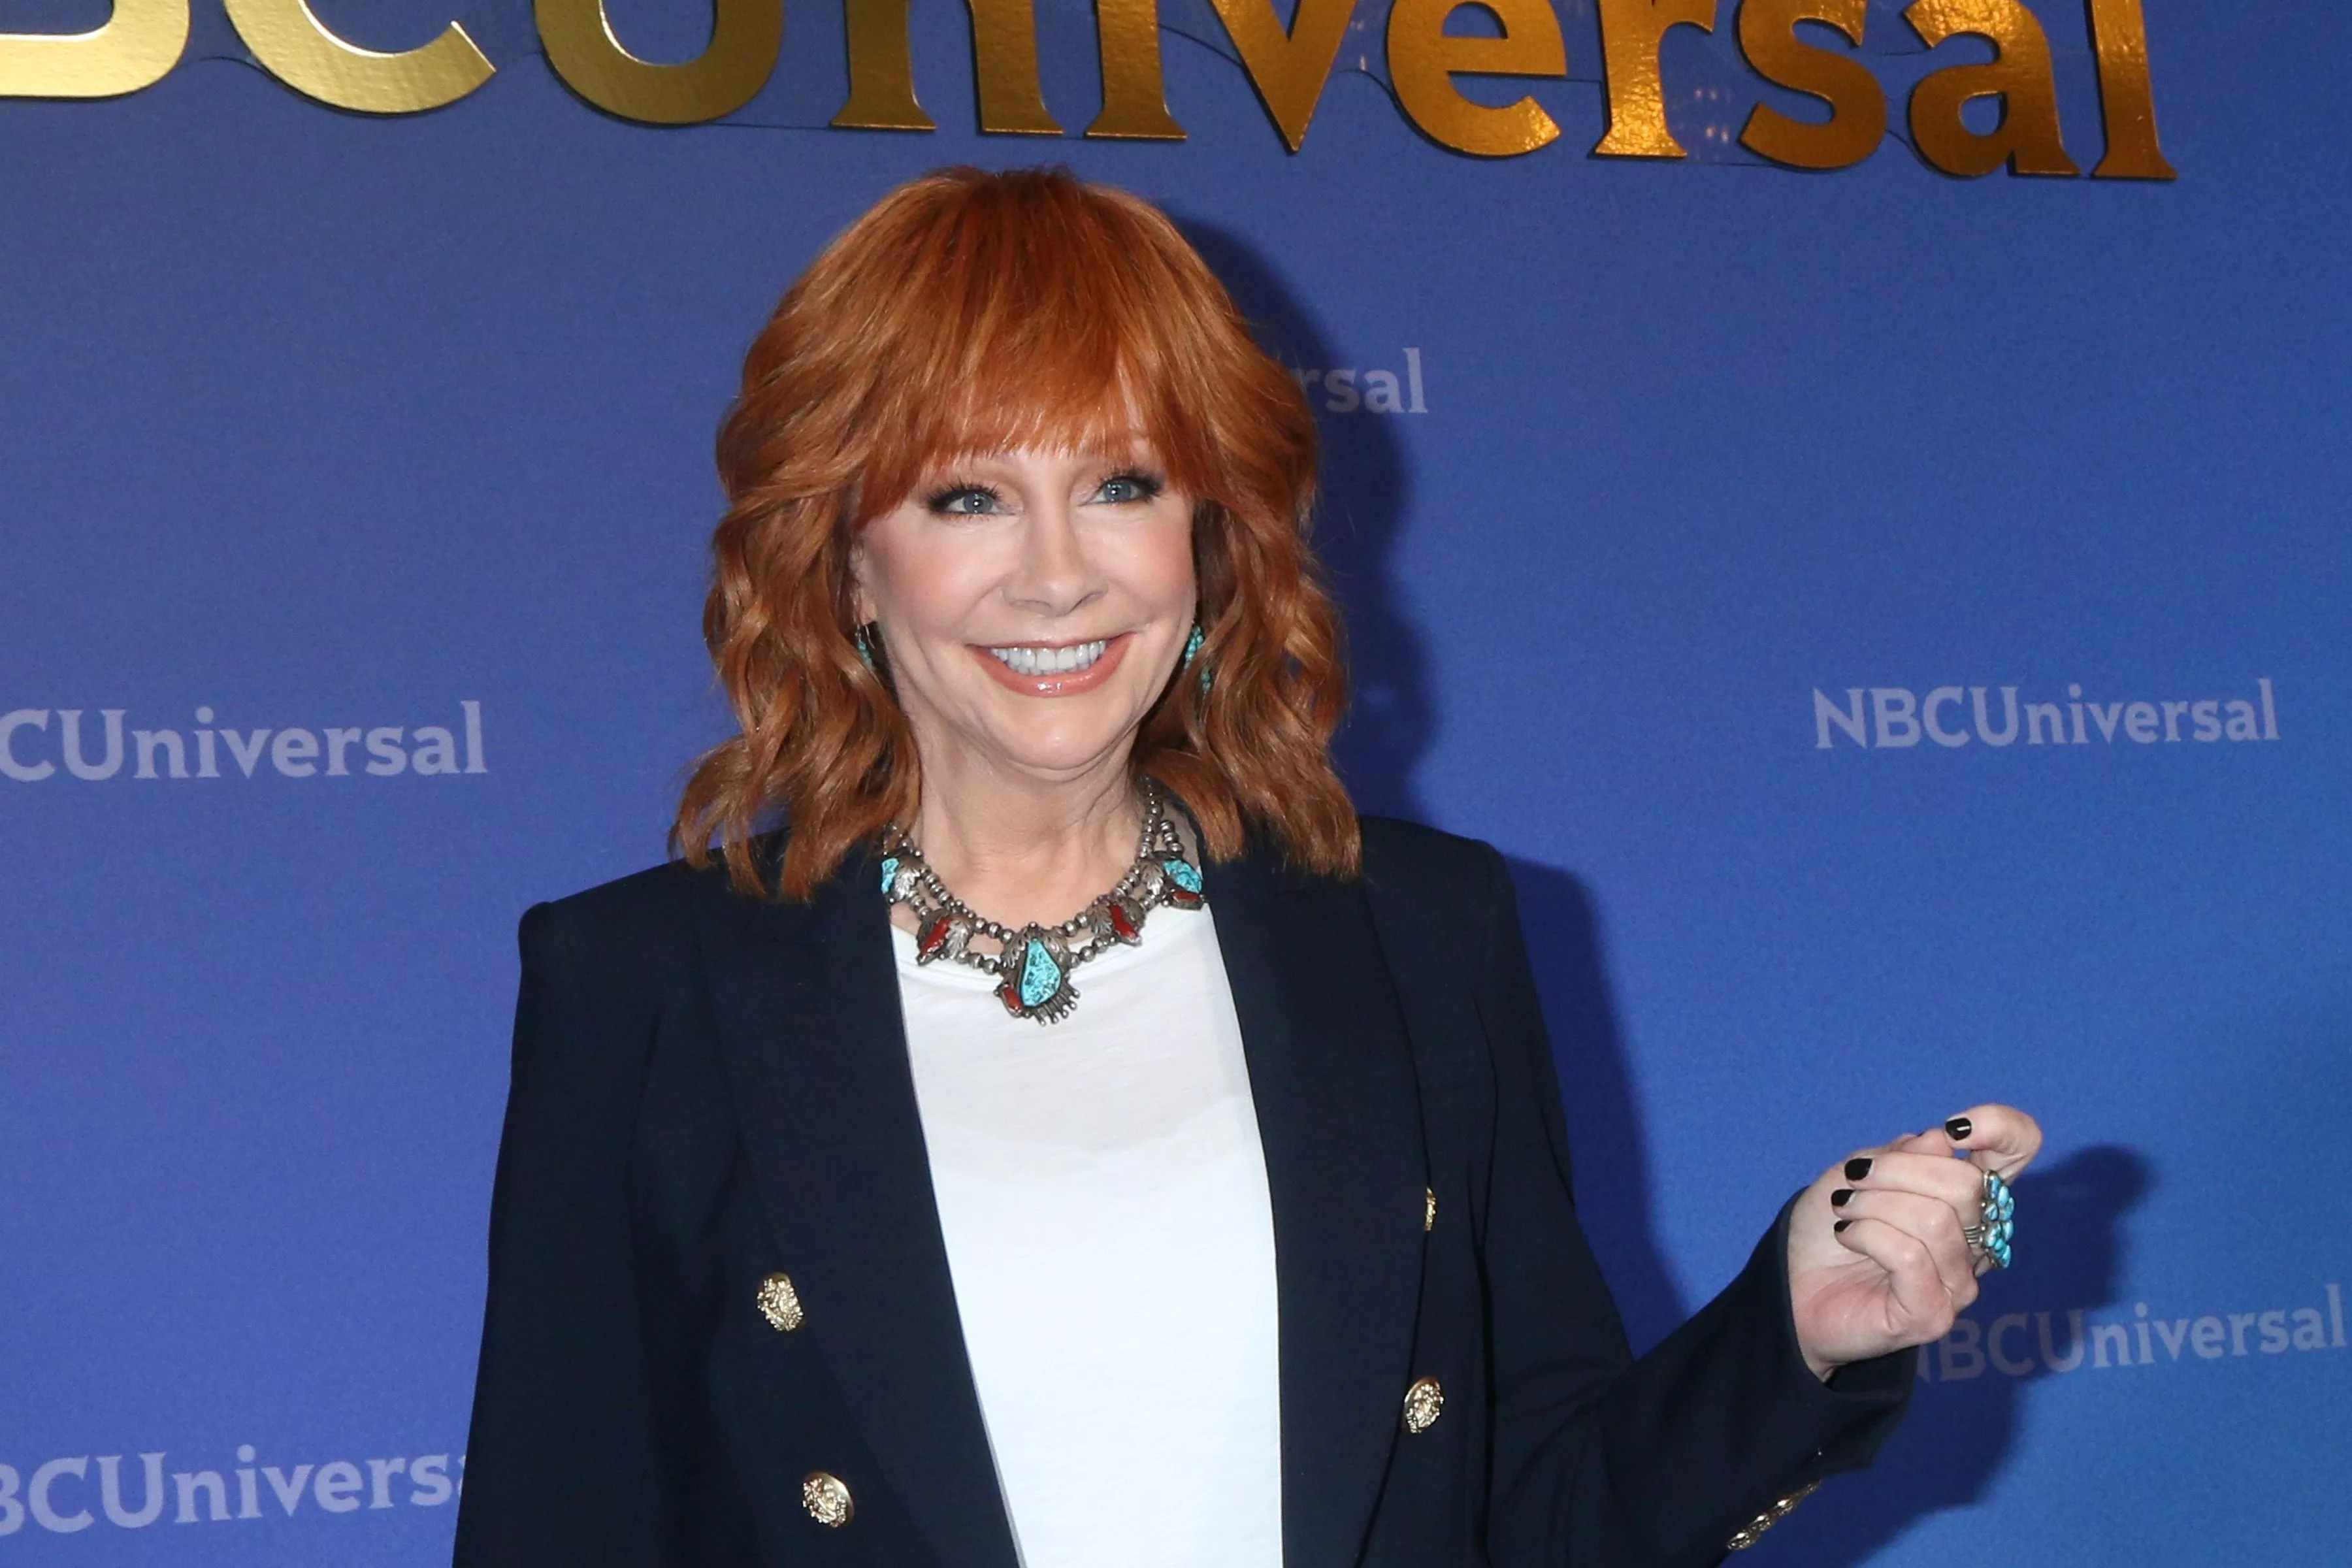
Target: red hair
<point>971,312</point>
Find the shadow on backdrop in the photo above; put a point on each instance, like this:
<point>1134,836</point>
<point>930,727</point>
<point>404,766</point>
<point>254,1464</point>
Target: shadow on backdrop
<point>1365,489</point>
<point>1959,1434</point>
<point>1605,1139</point>
<point>2070,1249</point>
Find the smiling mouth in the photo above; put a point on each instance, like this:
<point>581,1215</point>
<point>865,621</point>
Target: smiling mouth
<point>1032,659</point>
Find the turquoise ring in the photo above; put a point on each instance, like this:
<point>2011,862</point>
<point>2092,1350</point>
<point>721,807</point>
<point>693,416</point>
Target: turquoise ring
<point>1996,1222</point>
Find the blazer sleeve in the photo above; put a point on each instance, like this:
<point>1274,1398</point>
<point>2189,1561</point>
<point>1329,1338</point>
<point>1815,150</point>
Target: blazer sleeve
<point>1600,1459</point>
<point>559,1467</point>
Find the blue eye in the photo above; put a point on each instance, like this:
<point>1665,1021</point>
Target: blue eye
<point>964,501</point>
<point>1129,490</point>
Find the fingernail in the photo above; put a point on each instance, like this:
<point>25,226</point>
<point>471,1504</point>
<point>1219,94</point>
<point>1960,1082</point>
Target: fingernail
<point>1856,1169</point>
<point>1837,1198</point>
<point>1839,1228</point>
<point>1959,1128</point>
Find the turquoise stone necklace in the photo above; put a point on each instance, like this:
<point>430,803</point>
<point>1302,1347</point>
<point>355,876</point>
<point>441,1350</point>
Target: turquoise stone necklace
<point>1033,964</point>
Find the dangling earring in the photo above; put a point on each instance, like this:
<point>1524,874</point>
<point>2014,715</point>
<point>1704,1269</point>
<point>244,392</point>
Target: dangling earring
<point>1193,651</point>
<point>864,637</point>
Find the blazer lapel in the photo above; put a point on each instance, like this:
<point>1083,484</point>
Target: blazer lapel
<point>807,1004</point>
<point>1338,1116</point>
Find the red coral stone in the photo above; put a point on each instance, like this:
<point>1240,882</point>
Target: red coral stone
<point>934,936</point>
<point>1123,925</point>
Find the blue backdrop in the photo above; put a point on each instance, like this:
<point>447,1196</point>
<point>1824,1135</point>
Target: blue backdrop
<point>370,458</point>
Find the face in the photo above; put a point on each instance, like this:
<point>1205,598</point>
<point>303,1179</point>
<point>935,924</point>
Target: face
<point>1032,605</point>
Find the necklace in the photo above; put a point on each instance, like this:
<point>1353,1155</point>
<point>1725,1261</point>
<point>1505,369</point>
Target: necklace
<point>1033,964</point>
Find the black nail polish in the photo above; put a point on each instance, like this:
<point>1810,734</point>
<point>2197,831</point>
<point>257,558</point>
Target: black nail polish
<point>1856,1169</point>
<point>1839,1228</point>
<point>1959,1128</point>
<point>1839,1198</point>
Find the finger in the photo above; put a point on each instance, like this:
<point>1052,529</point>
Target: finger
<point>1955,1184</point>
<point>1936,1175</point>
<point>1997,1138</point>
<point>1923,1308</point>
<point>1928,1220</point>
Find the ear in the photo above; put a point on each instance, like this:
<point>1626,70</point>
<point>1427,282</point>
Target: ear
<point>861,597</point>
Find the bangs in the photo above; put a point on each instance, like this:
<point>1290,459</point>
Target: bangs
<point>1047,321</point>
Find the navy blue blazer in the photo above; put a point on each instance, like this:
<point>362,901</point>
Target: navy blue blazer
<point>709,1087</point>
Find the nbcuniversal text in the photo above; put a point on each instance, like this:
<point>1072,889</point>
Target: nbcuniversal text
<point>2020,1344</point>
<point>1810,47</point>
<point>64,1497</point>
<point>38,744</point>
<point>1891,718</point>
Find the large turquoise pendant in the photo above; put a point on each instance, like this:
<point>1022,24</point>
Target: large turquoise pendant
<point>1037,977</point>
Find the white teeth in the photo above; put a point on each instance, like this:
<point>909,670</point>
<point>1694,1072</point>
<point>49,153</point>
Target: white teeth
<point>1025,659</point>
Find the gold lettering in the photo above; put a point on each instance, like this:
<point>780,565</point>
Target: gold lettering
<point>135,48</point>
<point>1135,102</point>
<point>881,70</point>
<point>744,38</point>
<point>289,39</point>
<point>1423,58</point>
<point>2027,137</point>
<point>1287,67</point>
<point>1003,56</point>
<point>2126,101</point>
<point>1630,32</point>
<point>1857,121</point>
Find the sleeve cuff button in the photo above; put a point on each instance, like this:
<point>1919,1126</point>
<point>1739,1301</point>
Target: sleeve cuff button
<point>1748,1534</point>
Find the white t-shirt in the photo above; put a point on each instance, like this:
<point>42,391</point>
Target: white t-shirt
<point>1103,1193</point>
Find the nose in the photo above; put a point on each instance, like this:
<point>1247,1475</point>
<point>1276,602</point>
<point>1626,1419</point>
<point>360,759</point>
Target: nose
<point>1054,576</point>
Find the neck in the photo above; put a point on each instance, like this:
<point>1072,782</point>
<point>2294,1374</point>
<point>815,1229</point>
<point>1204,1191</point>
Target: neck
<point>1023,850</point>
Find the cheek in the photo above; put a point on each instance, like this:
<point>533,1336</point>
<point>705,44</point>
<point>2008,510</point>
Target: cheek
<point>922,584</point>
<point>1157,565</point>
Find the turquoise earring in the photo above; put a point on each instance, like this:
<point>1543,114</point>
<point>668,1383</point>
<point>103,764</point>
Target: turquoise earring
<point>864,637</point>
<point>1193,651</point>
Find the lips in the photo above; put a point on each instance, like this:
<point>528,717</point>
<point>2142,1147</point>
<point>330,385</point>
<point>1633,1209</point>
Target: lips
<point>1053,669</point>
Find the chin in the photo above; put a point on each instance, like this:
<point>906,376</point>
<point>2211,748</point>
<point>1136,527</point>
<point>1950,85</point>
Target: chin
<point>1060,748</point>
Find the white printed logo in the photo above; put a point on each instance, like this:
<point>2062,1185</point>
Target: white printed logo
<point>39,743</point>
<point>1348,390</point>
<point>1896,717</point>
<point>57,1495</point>
<point>2016,1345</point>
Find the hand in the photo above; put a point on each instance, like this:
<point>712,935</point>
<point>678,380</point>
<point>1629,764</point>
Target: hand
<point>1876,1262</point>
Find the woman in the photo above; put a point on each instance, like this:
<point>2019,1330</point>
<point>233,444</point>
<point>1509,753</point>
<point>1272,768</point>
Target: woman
<point>860,1202</point>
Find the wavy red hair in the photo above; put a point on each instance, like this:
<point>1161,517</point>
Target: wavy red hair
<point>970,312</point>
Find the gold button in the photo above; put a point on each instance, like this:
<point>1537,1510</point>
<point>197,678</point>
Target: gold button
<point>1424,1403</point>
<point>780,1304</point>
<point>826,1498</point>
<point>1429,1211</point>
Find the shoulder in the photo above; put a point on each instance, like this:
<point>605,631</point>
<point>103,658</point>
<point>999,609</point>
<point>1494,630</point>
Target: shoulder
<point>1444,899</point>
<point>643,912</point>
<point>628,941</point>
<point>600,969</point>
<point>1406,863</point>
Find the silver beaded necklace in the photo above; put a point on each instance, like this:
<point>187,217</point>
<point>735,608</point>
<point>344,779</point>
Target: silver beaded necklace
<point>1033,964</point>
